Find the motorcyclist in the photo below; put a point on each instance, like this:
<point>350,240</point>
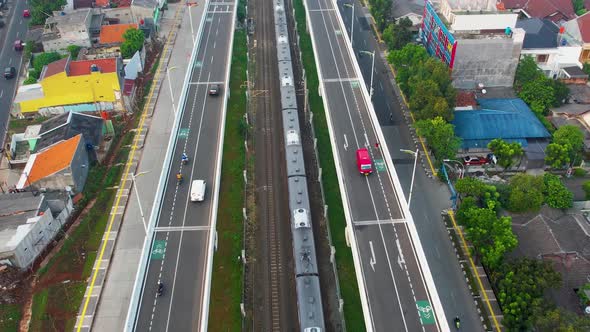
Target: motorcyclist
<point>179,176</point>
<point>457,322</point>
<point>160,288</point>
<point>184,158</point>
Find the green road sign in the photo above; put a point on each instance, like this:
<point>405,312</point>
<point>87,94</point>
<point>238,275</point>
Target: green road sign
<point>379,165</point>
<point>159,249</point>
<point>183,132</point>
<point>198,64</point>
<point>354,84</point>
<point>337,32</point>
<point>426,313</point>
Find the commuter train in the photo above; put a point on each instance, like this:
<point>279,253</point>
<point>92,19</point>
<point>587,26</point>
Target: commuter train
<point>309,297</point>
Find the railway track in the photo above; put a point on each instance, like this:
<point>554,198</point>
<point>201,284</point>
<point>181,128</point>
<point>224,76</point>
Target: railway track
<point>273,289</point>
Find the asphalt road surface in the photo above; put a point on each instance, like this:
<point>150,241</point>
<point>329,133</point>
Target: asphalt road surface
<point>430,197</point>
<point>397,296</point>
<point>15,28</point>
<point>179,251</point>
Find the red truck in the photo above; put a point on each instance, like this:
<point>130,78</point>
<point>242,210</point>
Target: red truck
<point>363,161</point>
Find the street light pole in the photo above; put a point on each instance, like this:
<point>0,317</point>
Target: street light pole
<point>134,177</point>
<point>372,71</point>
<point>352,24</point>
<point>190,15</point>
<point>168,69</point>
<point>415,153</point>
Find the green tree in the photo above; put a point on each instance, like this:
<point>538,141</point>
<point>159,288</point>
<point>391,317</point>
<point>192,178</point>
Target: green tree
<point>74,50</point>
<point>539,94</point>
<point>560,320</point>
<point>520,287</point>
<point>440,136</point>
<point>491,236</point>
<point>133,42</point>
<point>573,137</point>
<point>557,195</point>
<point>42,9</point>
<point>586,187</point>
<point>30,80</point>
<point>527,71</point>
<point>505,152</point>
<point>398,34</point>
<point>558,155</point>
<point>526,193</point>
<point>409,56</point>
<point>560,92</point>
<point>380,9</point>
<point>579,7</point>
<point>486,194</point>
<point>44,59</point>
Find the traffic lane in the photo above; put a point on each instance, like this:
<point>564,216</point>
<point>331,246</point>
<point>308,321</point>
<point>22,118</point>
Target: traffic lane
<point>376,199</point>
<point>450,281</point>
<point>218,46</point>
<point>388,292</point>
<point>202,66</point>
<point>332,64</point>
<point>15,26</point>
<point>189,282</point>
<point>153,310</point>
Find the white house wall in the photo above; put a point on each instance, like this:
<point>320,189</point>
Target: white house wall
<point>472,22</point>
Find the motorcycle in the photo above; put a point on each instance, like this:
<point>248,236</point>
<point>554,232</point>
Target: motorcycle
<point>457,323</point>
<point>160,289</point>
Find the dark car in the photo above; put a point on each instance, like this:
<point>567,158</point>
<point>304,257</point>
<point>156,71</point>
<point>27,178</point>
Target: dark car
<point>9,72</point>
<point>18,45</point>
<point>471,160</point>
<point>214,89</point>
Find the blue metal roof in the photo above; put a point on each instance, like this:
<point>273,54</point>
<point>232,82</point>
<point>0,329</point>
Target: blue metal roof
<point>509,119</point>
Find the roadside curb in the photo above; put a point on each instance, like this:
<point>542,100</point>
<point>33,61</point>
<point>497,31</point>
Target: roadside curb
<point>100,268</point>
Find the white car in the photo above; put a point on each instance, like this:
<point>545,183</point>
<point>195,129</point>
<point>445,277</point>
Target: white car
<point>198,190</point>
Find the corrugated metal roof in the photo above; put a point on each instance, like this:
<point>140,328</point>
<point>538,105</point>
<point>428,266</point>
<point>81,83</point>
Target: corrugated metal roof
<point>509,119</point>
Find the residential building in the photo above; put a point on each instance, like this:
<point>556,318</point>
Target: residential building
<point>509,119</point>
<point>579,30</point>
<point>552,50</point>
<point>478,41</point>
<point>102,3</point>
<point>557,11</point>
<point>112,34</point>
<point>61,166</point>
<point>75,27</point>
<point>28,223</point>
<point>66,82</point>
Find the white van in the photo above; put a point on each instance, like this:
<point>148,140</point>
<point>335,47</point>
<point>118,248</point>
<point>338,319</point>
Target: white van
<point>198,190</point>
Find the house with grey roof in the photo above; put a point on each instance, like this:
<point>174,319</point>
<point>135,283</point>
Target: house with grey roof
<point>28,223</point>
<point>554,52</point>
<point>71,27</point>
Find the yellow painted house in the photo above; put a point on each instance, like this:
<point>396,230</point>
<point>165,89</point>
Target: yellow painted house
<point>66,82</point>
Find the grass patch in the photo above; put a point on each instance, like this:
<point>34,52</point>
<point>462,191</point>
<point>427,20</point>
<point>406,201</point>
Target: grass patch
<point>19,125</point>
<point>10,315</point>
<point>38,309</point>
<point>226,287</point>
<point>353,313</point>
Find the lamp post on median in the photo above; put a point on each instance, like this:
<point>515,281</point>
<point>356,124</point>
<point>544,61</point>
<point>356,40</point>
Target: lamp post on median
<point>190,15</point>
<point>415,153</point>
<point>352,24</point>
<point>168,69</point>
<point>133,178</point>
<point>372,70</point>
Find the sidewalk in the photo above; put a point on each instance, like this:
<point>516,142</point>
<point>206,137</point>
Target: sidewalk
<point>113,302</point>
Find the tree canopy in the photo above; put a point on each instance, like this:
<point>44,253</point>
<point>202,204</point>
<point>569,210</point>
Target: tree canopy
<point>133,42</point>
<point>505,152</point>
<point>42,9</point>
<point>398,34</point>
<point>557,155</point>
<point>440,136</point>
<point>526,193</point>
<point>520,286</point>
<point>381,11</point>
<point>556,193</point>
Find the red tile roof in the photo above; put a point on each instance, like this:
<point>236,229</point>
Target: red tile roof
<point>465,98</point>
<point>78,68</point>
<point>55,67</point>
<point>113,33</point>
<point>102,3</point>
<point>544,8</point>
<point>584,25</point>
